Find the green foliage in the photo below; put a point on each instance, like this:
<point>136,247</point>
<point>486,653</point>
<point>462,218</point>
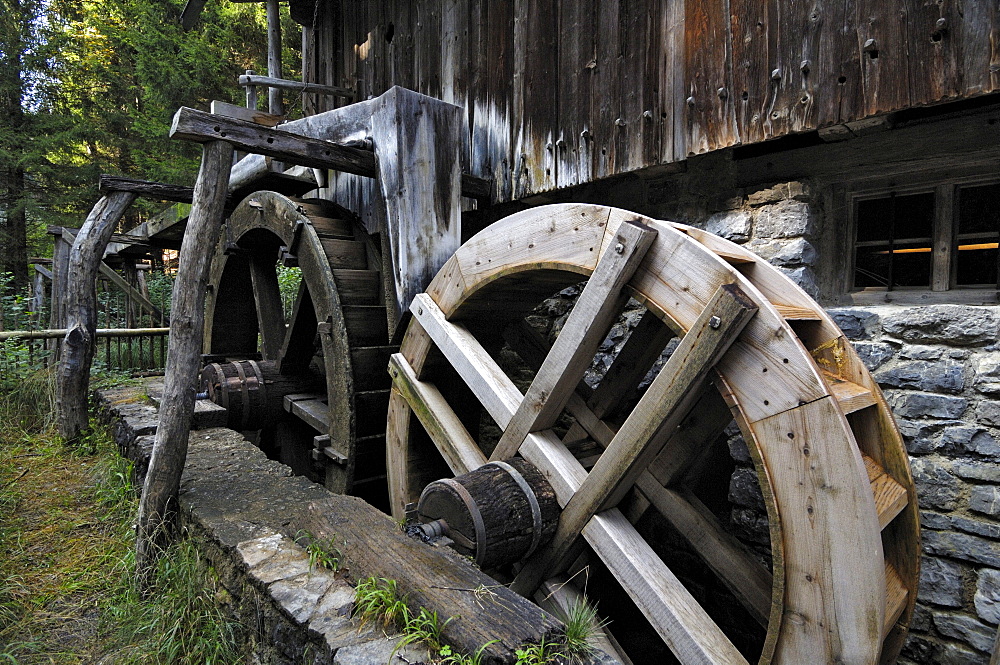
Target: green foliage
<point>580,624</point>
<point>376,600</point>
<point>540,654</point>
<point>289,280</point>
<point>321,553</point>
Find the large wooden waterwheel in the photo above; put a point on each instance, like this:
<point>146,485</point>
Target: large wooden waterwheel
<point>316,388</point>
<point>840,501</point>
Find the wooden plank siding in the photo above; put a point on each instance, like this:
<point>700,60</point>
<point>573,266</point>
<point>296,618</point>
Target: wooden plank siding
<point>562,92</point>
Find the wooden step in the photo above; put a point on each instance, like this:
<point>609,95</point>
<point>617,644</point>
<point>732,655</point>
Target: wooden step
<point>345,253</point>
<point>370,366</point>
<point>366,325</point>
<point>796,313</point>
<point>895,598</point>
<point>311,409</point>
<point>359,287</point>
<point>890,496</point>
<point>331,226</point>
<point>731,257</point>
<point>851,396</point>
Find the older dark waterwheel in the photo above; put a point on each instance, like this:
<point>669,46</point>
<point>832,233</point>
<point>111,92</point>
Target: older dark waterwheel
<point>833,473</point>
<point>315,387</point>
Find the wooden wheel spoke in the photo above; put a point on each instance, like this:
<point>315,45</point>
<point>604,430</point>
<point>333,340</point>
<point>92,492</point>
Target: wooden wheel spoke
<point>649,426</point>
<point>588,322</point>
<point>746,577</point>
<point>438,418</point>
<point>267,294</point>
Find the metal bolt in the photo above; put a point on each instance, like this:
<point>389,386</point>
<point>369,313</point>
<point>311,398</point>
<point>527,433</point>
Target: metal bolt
<point>420,311</point>
<point>620,122</point>
<point>585,134</point>
<point>648,115</point>
<point>690,101</point>
<point>560,143</point>
<point>804,66</point>
<point>776,74</point>
<point>941,24</point>
<point>870,45</point>
<point>619,248</point>
<point>723,93</point>
<point>395,372</point>
<point>714,323</point>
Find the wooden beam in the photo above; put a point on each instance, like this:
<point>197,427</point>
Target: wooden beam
<point>674,613</point>
<point>595,310</point>
<point>270,314</point>
<point>157,191</point>
<point>191,13</point>
<point>296,86</point>
<point>447,432</point>
<point>184,357</point>
<point>648,427</point>
<point>43,271</point>
<point>199,126</point>
<point>79,344</point>
<point>245,113</point>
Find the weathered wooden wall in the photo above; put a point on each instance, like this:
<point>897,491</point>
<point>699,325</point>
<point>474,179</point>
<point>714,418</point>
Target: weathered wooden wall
<point>559,92</point>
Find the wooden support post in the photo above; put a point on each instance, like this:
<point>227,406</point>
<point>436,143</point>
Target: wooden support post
<point>37,295</point>
<point>60,275</point>
<point>79,344</point>
<point>274,104</point>
<point>251,92</point>
<point>650,425</point>
<point>183,357</point>
<point>418,141</point>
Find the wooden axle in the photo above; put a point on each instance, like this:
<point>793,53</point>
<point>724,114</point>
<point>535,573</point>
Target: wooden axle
<point>252,392</point>
<point>500,513</point>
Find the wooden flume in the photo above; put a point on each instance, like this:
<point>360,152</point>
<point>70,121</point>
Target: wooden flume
<point>830,462</point>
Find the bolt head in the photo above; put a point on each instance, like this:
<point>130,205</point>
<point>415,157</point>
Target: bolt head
<point>619,248</point>
<point>776,74</point>
<point>714,323</point>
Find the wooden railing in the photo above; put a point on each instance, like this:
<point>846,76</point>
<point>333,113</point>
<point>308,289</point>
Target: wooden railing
<point>136,349</point>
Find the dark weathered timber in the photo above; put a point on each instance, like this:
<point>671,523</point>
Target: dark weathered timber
<point>193,125</point>
<point>183,359</point>
<point>73,375</point>
<point>274,103</point>
<point>255,397</point>
<point>503,507</point>
<point>148,190</point>
<point>296,86</point>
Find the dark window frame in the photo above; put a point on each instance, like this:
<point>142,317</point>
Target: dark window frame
<point>943,287</point>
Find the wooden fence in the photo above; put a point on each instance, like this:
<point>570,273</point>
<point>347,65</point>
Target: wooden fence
<point>128,349</point>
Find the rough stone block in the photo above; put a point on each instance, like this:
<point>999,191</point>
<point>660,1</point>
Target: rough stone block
<point>985,499</point>
<point>970,440</point>
<point>973,470</point>
<point>987,598</point>
<point>967,629</point>
<point>937,376</point>
<point>918,436</point>
<point>921,352</point>
<point>784,219</point>
<point>738,449</point>
<point>944,324</point>
<point>299,596</point>
<point>744,489</point>
<point>796,252</point>
<point>936,487</point>
<point>732,225</point>
<point>921,618</point>
<point>987,379</point>
<point>382,650</point>
<point>874,354</point>
<point>855,322</point>
<point>978,527</point>
<point>804,278</point>
<point>959,654</point>
<point>962,546</point>
<point>767,195</point>
<point>940,582</point>
<point>932,520</point>
<point>924,405</point>
<point>988,413</point>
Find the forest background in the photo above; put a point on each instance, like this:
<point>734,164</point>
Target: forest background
<point>89,87</point>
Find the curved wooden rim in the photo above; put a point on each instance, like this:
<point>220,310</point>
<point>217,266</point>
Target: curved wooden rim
<point>275,213</point>
<point>828,603</point>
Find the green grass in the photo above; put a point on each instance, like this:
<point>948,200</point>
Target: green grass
<point>66,568</point>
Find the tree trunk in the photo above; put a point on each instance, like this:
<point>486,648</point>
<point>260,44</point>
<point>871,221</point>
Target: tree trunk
<point>13,229</point>
<point>73,375</point>
<point>187,315</point>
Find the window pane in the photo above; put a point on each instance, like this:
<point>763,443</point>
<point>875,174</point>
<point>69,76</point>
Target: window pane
<point>978,231</point>
<point>911,265</point>
<point>910,257</point>
<point>914,217</point>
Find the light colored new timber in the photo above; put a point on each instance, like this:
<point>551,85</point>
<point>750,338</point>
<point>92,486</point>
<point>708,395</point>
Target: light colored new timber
<point>890,496</point>
<point>831,598</point>
<point>563,367</point>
